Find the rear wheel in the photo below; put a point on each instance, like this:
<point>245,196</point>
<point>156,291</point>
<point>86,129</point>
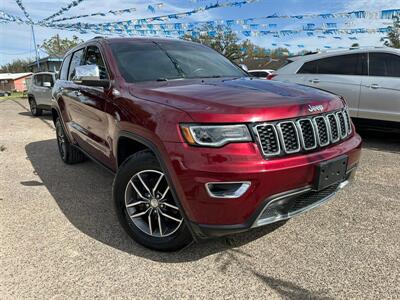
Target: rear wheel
<point>68,153</point>
<point>35,111</point>
<point>146,206</point>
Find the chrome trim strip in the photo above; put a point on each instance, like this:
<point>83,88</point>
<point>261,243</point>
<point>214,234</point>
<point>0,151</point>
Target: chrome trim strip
<point>283,138</point>
<point>243,183</point>
<point>300,130</point>
<point>260,143</point>
<point>327,131</point>
<point>260,222</point>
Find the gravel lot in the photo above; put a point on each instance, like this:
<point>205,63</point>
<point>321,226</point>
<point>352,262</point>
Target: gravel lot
<point>60,238</point>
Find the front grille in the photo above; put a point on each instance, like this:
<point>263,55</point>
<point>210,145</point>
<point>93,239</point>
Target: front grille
<point>289,206</point>
<point>304,134</point>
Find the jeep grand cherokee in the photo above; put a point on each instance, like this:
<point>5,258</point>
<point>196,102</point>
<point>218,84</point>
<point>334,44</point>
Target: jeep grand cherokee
<point>199,148</point>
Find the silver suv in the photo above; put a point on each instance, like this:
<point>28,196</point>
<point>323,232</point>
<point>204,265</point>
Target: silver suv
<point>368,78</point>
<point>39,92</point>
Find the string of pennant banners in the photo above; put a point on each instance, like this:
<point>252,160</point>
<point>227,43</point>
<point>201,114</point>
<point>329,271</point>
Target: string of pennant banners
<point>248,27</point>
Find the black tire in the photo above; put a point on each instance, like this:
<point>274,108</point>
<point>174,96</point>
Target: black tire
<point>35,111</point>
<point>68,153</point>
<point>145,161</point>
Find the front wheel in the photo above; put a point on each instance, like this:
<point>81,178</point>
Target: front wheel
<point>145,205</point>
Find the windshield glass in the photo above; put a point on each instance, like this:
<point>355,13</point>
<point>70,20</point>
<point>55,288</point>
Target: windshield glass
<point>168,60</point>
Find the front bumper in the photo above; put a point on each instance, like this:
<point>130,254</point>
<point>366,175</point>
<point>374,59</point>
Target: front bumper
<point>277,208</point>
<point>194,167</point>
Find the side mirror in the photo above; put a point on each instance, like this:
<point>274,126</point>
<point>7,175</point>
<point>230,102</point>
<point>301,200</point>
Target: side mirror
<point>244,67</point>
<point>89,75</point>
<point>47,84</point>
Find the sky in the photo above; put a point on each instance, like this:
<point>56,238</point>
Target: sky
<point>16,39</point>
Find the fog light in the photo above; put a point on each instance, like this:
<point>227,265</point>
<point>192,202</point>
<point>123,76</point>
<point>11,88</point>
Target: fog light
<point>227,189</point>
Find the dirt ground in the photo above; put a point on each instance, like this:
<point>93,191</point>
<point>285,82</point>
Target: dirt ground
<point>60,238</point>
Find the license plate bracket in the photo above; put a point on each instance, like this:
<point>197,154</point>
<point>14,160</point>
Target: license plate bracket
<point>330,172</point>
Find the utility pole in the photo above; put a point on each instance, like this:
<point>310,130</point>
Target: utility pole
<point>36,49</point>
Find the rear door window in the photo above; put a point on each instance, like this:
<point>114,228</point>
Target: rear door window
<point>384,64</point>
<point>75,61</point>
<point>350,64</point>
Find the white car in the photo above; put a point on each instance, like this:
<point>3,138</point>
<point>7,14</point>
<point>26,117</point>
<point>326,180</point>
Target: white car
<point>261,73</point>
<point>39,92</point>
<point>368,78</point>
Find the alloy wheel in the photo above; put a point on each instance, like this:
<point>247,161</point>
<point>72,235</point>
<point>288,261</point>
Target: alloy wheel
<point>150,205</point>
<point>62,146</point>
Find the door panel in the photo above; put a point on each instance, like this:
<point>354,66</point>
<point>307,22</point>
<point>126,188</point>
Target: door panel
<point>343,85</point>
<point>339,74</point>
<point>380,92</point>
<point>380,98</point>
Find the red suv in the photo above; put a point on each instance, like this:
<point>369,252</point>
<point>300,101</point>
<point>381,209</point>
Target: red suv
<point>199,147</point>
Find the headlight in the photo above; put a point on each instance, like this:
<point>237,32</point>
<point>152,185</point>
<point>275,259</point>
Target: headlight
<point>215,136</point>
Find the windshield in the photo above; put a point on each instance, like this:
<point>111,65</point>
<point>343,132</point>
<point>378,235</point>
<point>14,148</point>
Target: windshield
<point>169,60</point>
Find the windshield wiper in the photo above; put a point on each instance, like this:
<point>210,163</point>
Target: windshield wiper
<point>169,79</point>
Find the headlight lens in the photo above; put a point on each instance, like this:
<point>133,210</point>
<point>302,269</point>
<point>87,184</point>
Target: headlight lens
<point>215,135</point>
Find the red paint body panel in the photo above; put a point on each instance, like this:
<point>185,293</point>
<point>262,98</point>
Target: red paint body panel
<point>242,162</point>
<point>153,111</point>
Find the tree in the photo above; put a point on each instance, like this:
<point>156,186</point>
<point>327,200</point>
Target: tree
<point>220,38</point>
<point>393,37</point>
<point>16,66</point>
<point>56,46</point>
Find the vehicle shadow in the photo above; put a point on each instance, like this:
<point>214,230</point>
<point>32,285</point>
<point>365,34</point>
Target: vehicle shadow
<point>83,192</point>
<point>380,138</point>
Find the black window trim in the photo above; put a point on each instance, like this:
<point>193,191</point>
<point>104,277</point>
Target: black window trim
<point>330,56</point>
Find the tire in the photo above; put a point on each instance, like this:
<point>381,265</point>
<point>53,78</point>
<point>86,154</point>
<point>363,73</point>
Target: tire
<point>145,205</point>
<point>68,153</point>
<point>35,111</point>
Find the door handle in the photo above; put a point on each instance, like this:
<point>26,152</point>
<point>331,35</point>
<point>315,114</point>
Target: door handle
<point>316,80</point>
<point>374,86</point>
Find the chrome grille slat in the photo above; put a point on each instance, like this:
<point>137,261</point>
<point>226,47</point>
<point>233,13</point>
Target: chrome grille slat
<point>333,127</point>
<point>307,134</point>
<point>342,124</point>
<point>321,125</point>
<point>268,137</point>
<point>348,121</point>
<point>289,136</point>
<point>303,134</point>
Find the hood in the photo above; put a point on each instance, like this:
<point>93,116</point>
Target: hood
<point>238,100</point>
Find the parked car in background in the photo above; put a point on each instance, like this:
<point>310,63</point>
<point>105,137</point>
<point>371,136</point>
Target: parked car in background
<point>4,93</point>
<point>263,74</point>
<point>39,92</point>
<point>368,78</point>
<point>199,148</point>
